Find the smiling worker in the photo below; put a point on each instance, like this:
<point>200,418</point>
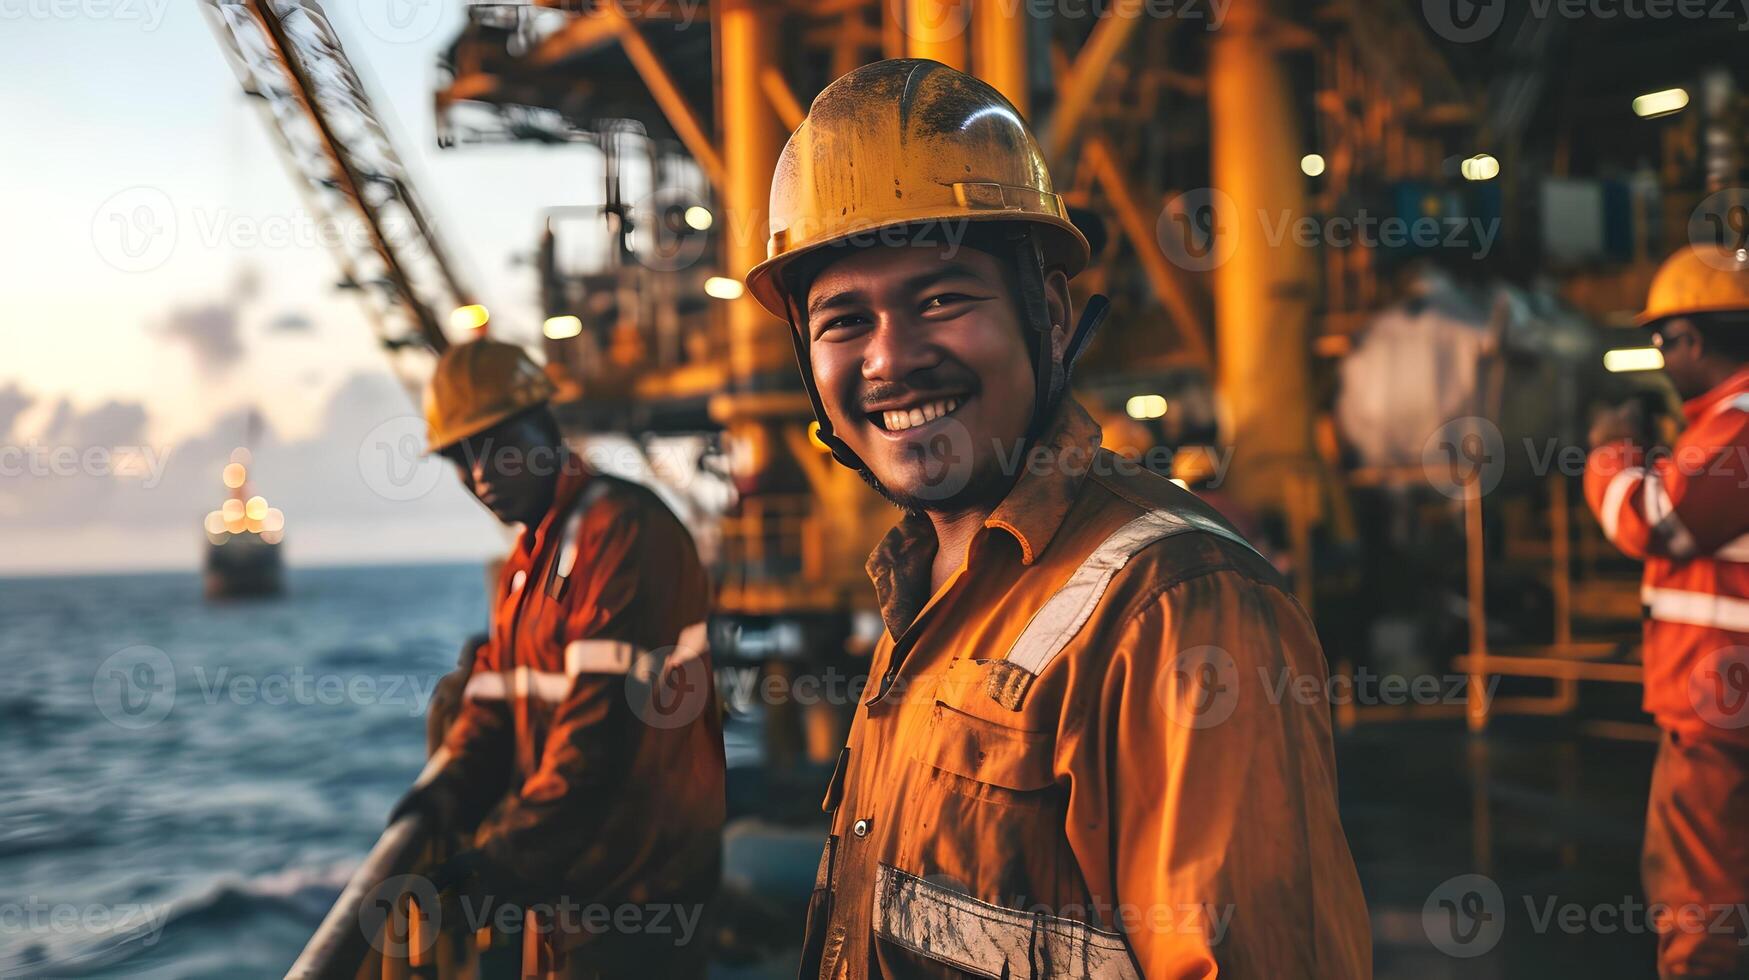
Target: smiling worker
<point>587,760</point>
<point>1065,762</point>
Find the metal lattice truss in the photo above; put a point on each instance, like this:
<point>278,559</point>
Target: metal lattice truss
<point>287,54</point>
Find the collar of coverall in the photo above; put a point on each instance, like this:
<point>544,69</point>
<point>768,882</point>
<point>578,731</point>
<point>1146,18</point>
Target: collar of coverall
<point>1032,512</point>
<point>1700,406</point>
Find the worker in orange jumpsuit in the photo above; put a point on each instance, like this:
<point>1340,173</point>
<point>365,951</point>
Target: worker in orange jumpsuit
<point>1067,760</point>
<point>587,759</point>
<point>1685,511</point>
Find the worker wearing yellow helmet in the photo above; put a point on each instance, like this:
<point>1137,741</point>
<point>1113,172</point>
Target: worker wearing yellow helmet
<point>1684,510</point>
<point>1065,762</point>
<point>586,765</point>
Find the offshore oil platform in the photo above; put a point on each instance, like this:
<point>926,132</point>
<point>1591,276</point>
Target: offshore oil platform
<point>1264,374</point>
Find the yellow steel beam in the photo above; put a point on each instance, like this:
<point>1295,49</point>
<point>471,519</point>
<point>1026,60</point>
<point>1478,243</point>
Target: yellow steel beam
<point>1082,80</point>
<point>1263,290</point>
<point>667,95</point>
<point>999,48</point>
<point>783,99</point>
<point>1138,225</point>
<point>746,38</point>
<point>936,29</point>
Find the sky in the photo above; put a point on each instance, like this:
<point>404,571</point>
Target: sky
<point>123,389</point>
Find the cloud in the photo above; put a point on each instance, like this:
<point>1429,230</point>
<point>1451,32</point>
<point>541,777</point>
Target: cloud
<point>210,331</point>
<point>330,486</point>
<point>13,402</point>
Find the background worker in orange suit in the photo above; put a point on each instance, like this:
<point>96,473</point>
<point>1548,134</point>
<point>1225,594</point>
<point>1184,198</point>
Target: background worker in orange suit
<point>1066,762</point>
<point>588,727</point>
<point>1685,511</point>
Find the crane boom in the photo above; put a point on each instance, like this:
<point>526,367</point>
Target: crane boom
<point>287,54</point>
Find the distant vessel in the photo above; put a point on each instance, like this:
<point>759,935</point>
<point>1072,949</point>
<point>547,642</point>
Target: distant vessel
<point>243,539</point>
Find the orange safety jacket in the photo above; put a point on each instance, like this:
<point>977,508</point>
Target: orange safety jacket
<point>1686,513</point>
<point>590,720</point>
<point>1102,749</point>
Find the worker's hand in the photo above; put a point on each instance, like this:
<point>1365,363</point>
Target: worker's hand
<point>1626,421</point>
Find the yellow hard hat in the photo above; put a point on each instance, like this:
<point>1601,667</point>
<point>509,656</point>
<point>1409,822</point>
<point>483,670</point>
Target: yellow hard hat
<point>1699,279</point>
<point>477,385</point>
<point>902,142</point>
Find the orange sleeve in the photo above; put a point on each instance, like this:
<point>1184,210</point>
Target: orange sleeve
<point>479,745</point>
<point>1682,504</point>
<point>1228,854</point>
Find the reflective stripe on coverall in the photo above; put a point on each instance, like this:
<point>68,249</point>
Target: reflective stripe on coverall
<point>590,722</point>
<point>1687,515</point>
<point>1143,786</point>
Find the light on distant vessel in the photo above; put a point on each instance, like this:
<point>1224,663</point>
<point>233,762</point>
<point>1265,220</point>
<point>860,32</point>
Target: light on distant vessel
<point>235,474</point>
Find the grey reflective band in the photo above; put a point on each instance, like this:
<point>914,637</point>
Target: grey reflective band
<point>1065,612</point>
<point>947,925</point>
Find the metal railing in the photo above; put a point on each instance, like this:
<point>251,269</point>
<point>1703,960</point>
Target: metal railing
<point>382,893</point>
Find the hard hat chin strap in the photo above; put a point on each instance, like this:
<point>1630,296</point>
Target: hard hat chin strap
<point>1051,377</point>
<point>798,338</point>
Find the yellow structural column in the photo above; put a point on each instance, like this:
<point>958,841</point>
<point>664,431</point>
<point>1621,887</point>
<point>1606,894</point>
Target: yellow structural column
<point>936,29</point>
<point>999,48</point>
<point>1263,291</point>
<point>752,137</point>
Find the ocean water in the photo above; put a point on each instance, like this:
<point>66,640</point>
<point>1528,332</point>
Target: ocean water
<point>185,785</point>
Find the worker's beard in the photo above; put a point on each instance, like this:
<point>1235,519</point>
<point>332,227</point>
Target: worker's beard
<point>985,486</point>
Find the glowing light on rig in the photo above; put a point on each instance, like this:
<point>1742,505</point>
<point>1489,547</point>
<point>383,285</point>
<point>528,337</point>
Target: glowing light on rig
<point>1146,406</point>
<point>699,218</point>
<point>1660,103</point>
<point>470,317</point>
<point>273,521</point>
<point>722,287</point>
<point>1480,167</point>
<point>1633,359</point>
<point>235,474</point>
<point>215,523</point>
<point>561,327</point>
<point>1312,165</point>
<point>256,508</point>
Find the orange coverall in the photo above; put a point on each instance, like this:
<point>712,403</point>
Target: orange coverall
<point>589,728</point>
<point>1143,785</point>
<point>1686,513</point>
